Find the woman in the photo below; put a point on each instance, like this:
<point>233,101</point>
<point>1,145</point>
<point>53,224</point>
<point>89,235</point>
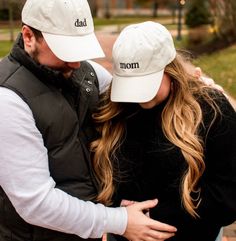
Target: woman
<point>166,135</point>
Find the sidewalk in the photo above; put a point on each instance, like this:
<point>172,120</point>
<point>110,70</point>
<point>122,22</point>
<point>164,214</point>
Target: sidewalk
<point>106,39</point>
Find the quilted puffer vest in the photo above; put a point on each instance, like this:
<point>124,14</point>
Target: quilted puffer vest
<point>62,112</point>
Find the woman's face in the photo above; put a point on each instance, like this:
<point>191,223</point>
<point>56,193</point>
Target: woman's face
<point>161,95</point>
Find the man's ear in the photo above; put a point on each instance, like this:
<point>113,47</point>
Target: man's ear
<point>28,37</point>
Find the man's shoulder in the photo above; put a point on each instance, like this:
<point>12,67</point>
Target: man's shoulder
<point>104,77</point>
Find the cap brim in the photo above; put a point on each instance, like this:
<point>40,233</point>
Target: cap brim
<point>74,48</point>
<point>136,89</point>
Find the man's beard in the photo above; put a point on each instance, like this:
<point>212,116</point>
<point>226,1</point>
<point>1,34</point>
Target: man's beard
<point>64,69</point>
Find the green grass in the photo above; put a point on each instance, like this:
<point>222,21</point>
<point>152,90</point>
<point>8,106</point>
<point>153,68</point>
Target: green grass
<point>126,20</point>
<point>5,47</point>
<point>121,22</point>
<point>117,21</point>
<point>221,67</point>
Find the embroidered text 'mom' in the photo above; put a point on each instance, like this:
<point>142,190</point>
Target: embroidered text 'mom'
<point>129,65</point>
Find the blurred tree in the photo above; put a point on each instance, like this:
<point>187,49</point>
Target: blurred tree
<point>180,4</point>
<point>155,8</point>
<point>94,7</point>
<point>16,6</point>
<point>224,13</point>
<point>197,13</point>
<point>142,3</point>
<point>197,18</point>
<point>173,6</point>
<point>107,9</point>
<point>4,14</point>
<point>10,11</point>
<point>155,4</point>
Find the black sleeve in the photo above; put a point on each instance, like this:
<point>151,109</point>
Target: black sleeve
<point>218,184</point>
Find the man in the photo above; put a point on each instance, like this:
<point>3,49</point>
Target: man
<point>47,95</point>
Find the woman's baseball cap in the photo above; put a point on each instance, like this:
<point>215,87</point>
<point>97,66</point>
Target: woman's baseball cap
<point>140,55</point>
<point>67,27</point>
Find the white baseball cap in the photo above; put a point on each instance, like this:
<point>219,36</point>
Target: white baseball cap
<point>67,27</point>
<point>140,55</point>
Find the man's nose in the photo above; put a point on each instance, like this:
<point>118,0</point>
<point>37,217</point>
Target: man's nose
<point>73,65</point>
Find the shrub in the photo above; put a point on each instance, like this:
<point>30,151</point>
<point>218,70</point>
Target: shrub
<point>197,14</point>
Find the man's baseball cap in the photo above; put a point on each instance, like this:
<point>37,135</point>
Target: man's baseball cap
<point>67,27</point>
<point>140,55</point>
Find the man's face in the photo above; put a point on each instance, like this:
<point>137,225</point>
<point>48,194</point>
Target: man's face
<point>38,49</point>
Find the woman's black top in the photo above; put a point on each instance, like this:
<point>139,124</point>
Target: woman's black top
<point>152,167</point>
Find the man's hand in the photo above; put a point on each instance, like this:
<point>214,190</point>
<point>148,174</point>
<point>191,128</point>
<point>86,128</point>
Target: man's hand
<point>208,81</point>
<point>142,228</point>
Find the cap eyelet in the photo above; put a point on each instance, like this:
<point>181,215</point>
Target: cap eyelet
<point>88,90</point>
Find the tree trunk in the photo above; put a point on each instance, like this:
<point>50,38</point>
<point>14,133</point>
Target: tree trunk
<point>225,19</point>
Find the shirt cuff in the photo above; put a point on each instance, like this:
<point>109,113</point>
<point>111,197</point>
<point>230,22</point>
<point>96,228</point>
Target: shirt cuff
<point>117,219</point>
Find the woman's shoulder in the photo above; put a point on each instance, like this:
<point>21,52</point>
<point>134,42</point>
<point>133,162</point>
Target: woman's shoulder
<point>217,99</point>
<point>217,111</point>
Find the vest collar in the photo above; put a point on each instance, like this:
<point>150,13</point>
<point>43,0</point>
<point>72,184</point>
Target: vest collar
<point>42,72</point>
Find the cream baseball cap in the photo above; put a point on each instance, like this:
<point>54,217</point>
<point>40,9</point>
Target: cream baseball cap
<point>140,55</point>
<point>67,27</point>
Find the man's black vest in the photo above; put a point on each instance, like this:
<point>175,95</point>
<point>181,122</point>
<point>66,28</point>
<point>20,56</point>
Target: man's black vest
<point>62,112</point>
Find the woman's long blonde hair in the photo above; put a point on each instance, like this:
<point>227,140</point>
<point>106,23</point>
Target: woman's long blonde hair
<point>181,118</point>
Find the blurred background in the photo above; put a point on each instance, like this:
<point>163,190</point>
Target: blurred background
<point>207,28</point>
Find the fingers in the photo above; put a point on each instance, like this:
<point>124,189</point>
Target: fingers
<point>146,205</point>
<point>198,72</point>
<point>157,235</point>
<point>153,224</point>
<point>153,235</point>
<point>140,227</point>
<point>125,203</point>
<point>156,225</point>
<point>208,81</point>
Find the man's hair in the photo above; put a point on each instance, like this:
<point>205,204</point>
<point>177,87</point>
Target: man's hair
<point>37,33</point>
